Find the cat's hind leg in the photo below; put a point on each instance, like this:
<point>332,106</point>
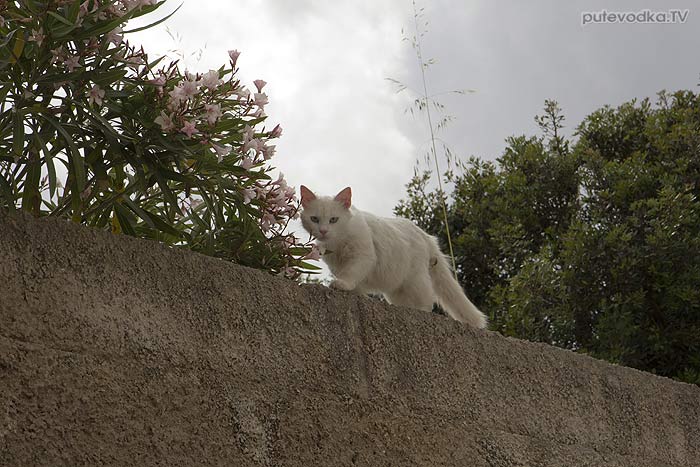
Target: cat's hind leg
<point>415,293</point>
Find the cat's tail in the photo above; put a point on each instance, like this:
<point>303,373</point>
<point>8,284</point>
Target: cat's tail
<point>450,295</point>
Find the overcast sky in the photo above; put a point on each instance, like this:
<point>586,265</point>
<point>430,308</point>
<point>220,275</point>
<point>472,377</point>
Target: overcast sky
<point>326,64</point>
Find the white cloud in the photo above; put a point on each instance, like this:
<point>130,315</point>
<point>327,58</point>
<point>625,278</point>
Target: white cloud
<point>325,64</point>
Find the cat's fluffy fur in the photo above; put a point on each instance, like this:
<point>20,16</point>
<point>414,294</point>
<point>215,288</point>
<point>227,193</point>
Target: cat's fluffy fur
<point>393,256</point>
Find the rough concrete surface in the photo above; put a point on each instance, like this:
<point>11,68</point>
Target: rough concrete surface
<point>117,351</point>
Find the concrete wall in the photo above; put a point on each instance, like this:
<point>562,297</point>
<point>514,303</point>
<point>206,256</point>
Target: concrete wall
<point>116,351</point>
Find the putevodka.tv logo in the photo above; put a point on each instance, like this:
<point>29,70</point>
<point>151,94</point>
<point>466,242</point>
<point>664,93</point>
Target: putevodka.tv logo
<point>634,17</point>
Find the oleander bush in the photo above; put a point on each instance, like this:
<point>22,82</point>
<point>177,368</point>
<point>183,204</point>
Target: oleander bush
<point>93,129</point>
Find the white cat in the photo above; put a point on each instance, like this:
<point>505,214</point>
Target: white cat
<point>394,257</point>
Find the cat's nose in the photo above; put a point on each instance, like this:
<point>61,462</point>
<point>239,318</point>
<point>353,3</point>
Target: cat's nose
<point>323,231</point>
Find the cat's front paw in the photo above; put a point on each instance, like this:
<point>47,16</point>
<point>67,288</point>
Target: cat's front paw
<point>340,284</point>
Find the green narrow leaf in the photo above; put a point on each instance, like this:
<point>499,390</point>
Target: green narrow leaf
<point>102,219</point>
<point>155,23</point>
<point>299,250</point>
<point>155,62</point>
<point>76,161</point>
<point>218,215</point>
<point>57,77</point>
<point>73,11</point>
<point>110,25</point>
<point>152,220</point>
<point>18,134</point>
<point>34,7</point>
<point>60,18</point>
<point>171,200</point>
<point>164,226</point>
<point>309,266</point>
<point>198,220</point>
<point>105,78</point>
<point>17,49</point>
<point>77,206</point>
<point>138,211</point>
<point>30,189</point>
<point>177,177</point>
<point>100,29</point>
<point>4,41</point>
<point>4,90</point>
<point>6,193</point>
<point>50,167</point>
<point>62,31</point>
<point>123,217</point>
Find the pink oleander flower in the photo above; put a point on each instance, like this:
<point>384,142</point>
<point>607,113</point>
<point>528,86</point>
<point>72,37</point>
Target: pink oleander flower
<point>72,63</point>
<point>213,113</point>
<point>314,254</point>
<point>173,105</point>
<point>190,204</point>
<point>91,47</point>
<point>290,192</point>
<point>177,95</point>
<point>165,121</point>
<point>248,133</point>
<point>247,163</point>
<point>96,95</point>
<point>115,36</point>
<point>133,4</point>
<point>289,272</point>
<point>260,99</point>
<point>233,55</point>
<point>267,221</point>
<point>276,132</point>
<point>290,241</point>
<point>268,151</point>
<point>159,81</point>
<point>242,93</point>
<point>117,10</point>
<point>57,55</point>
<point>85,194</point>
<point>211,80</point>
<point>84,8</point>
<point>189,129</point>
<point>221,151</point>
<point>281,182</point>
<point>135,61</point>
<point>249,194</point>
<point>280,200</point>
<point>259,84</point>
<point>195,202</point>
<point>254,144</point>
<point>37,36</point>
<point>189,88</point>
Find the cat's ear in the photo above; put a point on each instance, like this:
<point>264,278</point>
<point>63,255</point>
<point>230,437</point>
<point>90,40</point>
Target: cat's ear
<point>344,197</point>
<point>306,196</point>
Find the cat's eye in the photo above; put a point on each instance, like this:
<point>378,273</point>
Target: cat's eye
<point>314,219</point>
<point>333,220</point>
